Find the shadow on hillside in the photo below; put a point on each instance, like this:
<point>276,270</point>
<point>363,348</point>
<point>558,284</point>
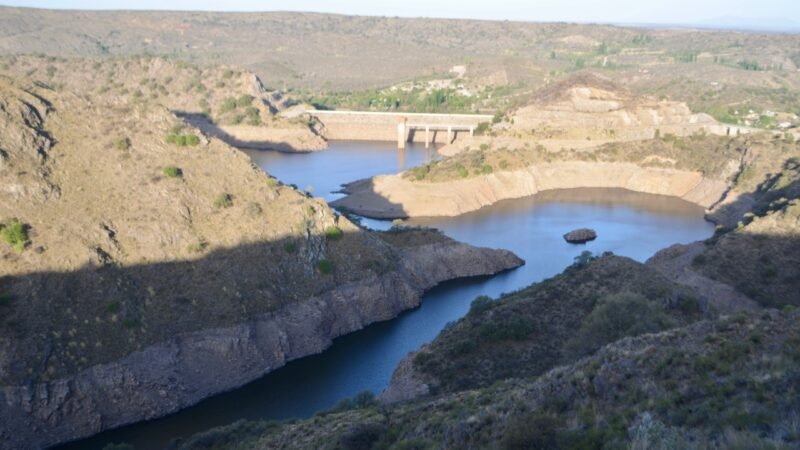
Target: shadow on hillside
<point>57,323</point>
<point>201,122</point>
<point>781,185</point>
<point>364,200</point>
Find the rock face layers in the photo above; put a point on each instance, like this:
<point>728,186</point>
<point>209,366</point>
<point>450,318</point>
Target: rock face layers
<point>593,107</point>
<point>392,196</point>
<point>188,368</point>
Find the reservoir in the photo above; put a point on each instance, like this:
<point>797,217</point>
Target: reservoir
<point>627,223</point>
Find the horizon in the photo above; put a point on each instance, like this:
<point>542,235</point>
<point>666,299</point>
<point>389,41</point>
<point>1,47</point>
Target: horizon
<point>770,16</point>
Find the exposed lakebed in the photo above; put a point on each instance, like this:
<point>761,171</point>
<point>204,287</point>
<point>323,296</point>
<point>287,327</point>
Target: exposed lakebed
<point>627,223</point>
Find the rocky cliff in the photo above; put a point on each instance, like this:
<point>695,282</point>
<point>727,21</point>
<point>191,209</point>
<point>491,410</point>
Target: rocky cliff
<point>392,196</point>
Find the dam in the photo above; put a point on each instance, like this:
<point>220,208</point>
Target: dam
<point>390,126</point>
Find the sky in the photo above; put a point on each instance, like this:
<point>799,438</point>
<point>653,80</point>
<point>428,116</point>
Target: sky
<point>781,13</point>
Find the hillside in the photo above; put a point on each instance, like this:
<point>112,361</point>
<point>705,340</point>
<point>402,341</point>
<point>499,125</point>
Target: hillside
<point>726,74</point>
<point>697,348</point>
<point>224,101</point>
<point>686,394</point>
<point>136,247</point>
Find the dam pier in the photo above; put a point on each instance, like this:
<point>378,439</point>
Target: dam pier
<point>402,127</point>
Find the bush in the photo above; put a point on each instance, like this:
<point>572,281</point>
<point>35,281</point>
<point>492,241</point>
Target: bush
<point>362,436</point>
<point>325,266</point>
<point>223,200</point>
<point>122,143</point>
<point>529,431</point>
<point>15,234</point>
<point>420,172</point>
<point>244,101</point>
<point>173,172</point>
<point>486,169</point>
<point>462,171</point>
<point>583,259</point>
<point>182,140</point>
<point>333,233</point>
<point>482,128</point>
<point>192,140</point>
<point>617,316</point>
<point>480,304</point>
<point>229,104</point>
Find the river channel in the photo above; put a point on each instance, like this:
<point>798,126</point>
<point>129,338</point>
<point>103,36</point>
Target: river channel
<point>627,223</point>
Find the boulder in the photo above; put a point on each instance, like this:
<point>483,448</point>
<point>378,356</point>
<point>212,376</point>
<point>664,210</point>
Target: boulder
<point>580,236</point>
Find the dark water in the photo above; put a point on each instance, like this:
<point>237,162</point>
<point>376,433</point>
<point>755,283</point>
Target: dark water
<point>629,224</point>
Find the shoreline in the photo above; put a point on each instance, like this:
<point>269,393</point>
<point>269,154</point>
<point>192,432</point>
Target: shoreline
<point>393,197</point>
<point>165,378</point>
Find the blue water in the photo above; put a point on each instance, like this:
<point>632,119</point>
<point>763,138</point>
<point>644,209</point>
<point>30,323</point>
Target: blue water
<point>629,224</point>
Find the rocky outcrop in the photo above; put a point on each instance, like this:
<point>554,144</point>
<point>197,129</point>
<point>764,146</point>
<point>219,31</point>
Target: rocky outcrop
<point>392,196</point>
<point>407,383</point>
<point>580,236</point>
<point>590,105</point>
<point>174,374</point>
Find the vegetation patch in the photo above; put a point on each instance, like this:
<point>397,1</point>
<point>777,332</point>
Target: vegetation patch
<point>333,233</point>
<point>15,234</point>
<point>223,200</point>
<point>173,172</point>
<point>325,266</point>
<point>183,140</point>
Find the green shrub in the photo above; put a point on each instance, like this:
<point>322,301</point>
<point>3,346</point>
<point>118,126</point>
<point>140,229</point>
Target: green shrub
<point>192,140</point>
<point>227,74</point>
<point>482,128</point>
<point>244,101</point>
<point>333,233</point>
<point>15,234</point>
<point>504,164</point>
<point>290,247</point>
<point>462,171</point>
<point>229,104</point>
<point>122,143</point>
<point>486,169</point>
<point>325,266</point>
<point>583,259</point>
<point>529,431</point>
<point>616,316</point>
<point>362,436</point>
<point>480,304</point>
<point>182,140</point>
<point>6,300</point>
<point>514,329</point>
<point>223,200</point>
<point>420,172</point>
<point>173,172</point>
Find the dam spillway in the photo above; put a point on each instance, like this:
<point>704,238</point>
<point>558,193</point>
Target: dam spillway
<point>390,126</point>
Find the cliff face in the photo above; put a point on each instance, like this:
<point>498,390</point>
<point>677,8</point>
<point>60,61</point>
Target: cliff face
<point>390,196</point>
<point>181,371</point>
<point>152,274</point>
<point>577,108</point>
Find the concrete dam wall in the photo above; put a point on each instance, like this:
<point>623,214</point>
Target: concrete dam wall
<point>380,126</point>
